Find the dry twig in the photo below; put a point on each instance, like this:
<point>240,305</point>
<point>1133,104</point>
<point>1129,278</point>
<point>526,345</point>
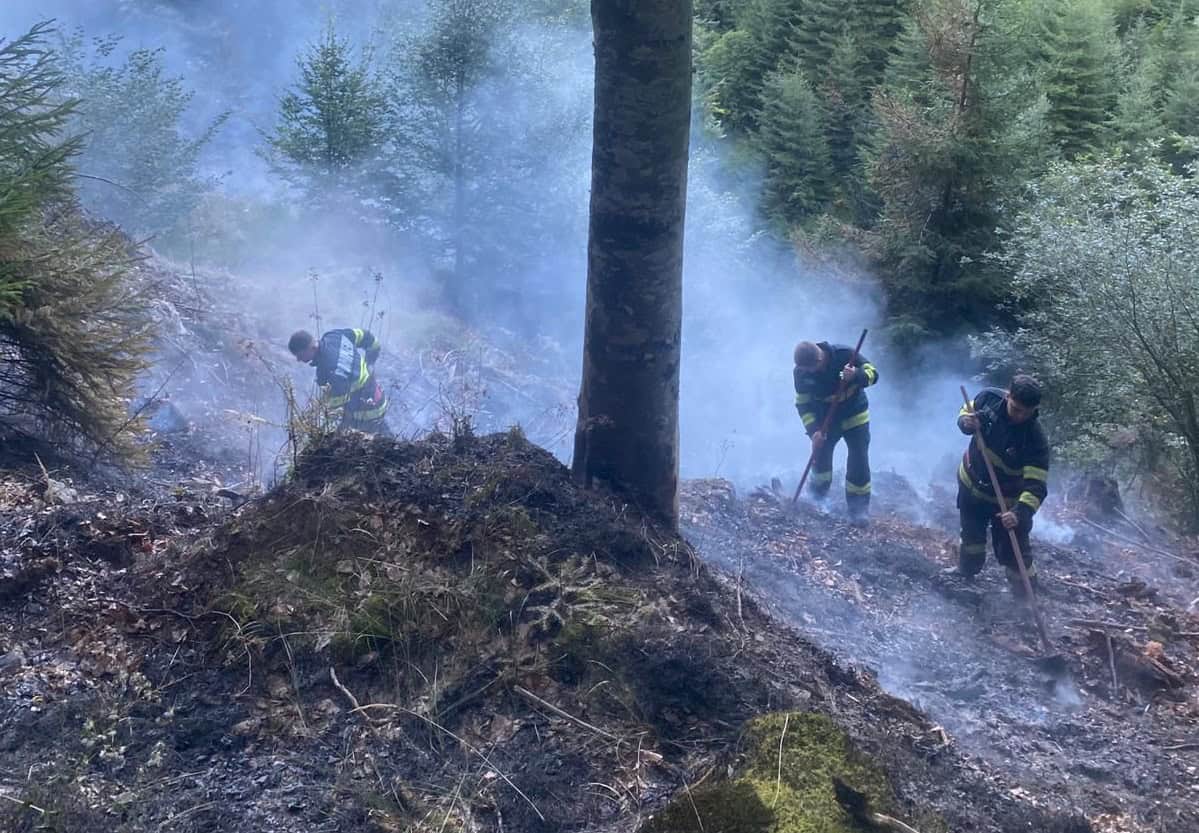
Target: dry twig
<point>524,692</point>
<point>467,746</point>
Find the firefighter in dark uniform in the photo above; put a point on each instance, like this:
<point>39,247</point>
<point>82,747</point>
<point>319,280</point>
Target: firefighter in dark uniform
<point>1020,454</point>
<point>819,371</point>
<point>344,362</point>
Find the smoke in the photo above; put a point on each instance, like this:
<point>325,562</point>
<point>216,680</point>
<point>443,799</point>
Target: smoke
<point>748,296</point>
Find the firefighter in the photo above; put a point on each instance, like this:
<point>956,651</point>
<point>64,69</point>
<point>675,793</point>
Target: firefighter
<point>344,362</point>
<point>1020,454</point>
<point>820,370</point>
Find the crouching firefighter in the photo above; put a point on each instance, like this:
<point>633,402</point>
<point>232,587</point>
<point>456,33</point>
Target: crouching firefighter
<point>1020,454</point>
<point>344,362</point>
<point>819,372</point>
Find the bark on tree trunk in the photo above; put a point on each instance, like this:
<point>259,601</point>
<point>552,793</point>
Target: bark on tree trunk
<point>628,429</point>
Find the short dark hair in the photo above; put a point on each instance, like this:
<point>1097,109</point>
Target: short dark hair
<point>807,354</point>
<point>300,341</point>
<point>1026,390</point>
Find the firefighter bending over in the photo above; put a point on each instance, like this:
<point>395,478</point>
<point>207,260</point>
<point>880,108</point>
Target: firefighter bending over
<point>344,362</point>
<point>1020,453</point>
<point>819,371</point>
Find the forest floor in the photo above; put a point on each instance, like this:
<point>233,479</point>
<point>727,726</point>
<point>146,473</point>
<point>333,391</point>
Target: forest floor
<point>446,634</point>
<point>440,635</point>
<point>1117,737</point>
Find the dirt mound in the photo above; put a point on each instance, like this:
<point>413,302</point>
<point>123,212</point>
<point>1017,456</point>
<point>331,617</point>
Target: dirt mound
<point>442,635</point>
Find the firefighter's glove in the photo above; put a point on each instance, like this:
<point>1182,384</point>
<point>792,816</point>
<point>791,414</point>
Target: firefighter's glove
<point>818,439</point>
<point>372,355</point>
<point>1009,519</point>
<point>969,423</point>
<point>851,374</point>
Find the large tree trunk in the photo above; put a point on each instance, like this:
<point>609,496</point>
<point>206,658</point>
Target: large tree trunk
<point>628,430</point>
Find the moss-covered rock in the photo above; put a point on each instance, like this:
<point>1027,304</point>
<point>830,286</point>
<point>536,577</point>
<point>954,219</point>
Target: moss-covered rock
<point>785,786</point>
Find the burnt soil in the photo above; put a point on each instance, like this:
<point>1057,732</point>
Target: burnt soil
<point>1116,737</point>
<point>450,635</point>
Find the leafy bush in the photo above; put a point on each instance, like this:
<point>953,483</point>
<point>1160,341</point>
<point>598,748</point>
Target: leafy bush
<point>1106,277</point>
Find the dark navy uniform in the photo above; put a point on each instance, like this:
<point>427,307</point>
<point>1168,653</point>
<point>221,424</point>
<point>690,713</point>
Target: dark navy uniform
<point>1020,455</point>
<point>814,394</point>
<point>344,362</point>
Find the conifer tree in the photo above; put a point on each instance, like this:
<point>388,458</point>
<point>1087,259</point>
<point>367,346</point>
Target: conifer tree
<point>845,95</point>
<point>332,126</point>
<point>815,38</point>
<point>954,139</point>
<point>1137,119</point>
<point>792,140</point>
<point>1080,53</point>
<point>734,67</point>
<point>876,26</point>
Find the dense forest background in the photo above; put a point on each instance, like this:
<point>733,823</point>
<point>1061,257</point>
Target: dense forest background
<point>1017,176</point>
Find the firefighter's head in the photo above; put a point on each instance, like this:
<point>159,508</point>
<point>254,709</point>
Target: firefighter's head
<point>808,357</point>
<point>1023,398</point>
<point>302,345</point>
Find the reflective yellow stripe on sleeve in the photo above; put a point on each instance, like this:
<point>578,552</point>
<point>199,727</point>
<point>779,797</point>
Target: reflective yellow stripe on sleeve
<point>1030,500</point>
<point>358,334</point>
<point>1034,473</point>
<point>803,398</point>
<point>809,419</point>
<point>966,410</point>
<point>871,373</point>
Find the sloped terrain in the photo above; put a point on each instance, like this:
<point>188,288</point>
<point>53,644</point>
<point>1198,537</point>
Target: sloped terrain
<point>440,635</point>
<point>1118,739</point>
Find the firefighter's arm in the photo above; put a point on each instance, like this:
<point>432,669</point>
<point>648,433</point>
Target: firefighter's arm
<point>1036,478</point>
<point>806,405</point>
<point>969,418</point>
<point>336,394</point>
<point>865,373</point>
<point>367,341</point>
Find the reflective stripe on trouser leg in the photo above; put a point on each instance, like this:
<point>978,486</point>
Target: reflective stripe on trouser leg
<point>857,468</point>
<point>822,468</point>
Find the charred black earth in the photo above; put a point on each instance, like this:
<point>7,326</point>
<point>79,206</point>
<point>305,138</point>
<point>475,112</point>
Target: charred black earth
<point>450,635</point>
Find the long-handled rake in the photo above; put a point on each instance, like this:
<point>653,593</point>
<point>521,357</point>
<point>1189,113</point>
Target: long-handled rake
<point>1052,660</point>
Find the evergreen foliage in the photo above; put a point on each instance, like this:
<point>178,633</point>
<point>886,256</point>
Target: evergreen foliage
<point>792,140</point>
<point>333,125</point>
<point>136,164</point>
<point>1081,55</point>
<point>73,330</point>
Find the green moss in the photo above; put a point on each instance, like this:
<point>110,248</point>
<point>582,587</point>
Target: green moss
<point>796,797</point>
<point>732,807</point>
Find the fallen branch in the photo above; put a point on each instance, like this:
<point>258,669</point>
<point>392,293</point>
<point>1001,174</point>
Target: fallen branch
<point>1111,660</point>
<point>1085,587</point>
<point>857,805</point>
<point>1099,623</point>
<point>348,694</point>
<point>778,784</point>
<point>524,692</point>
<point>22,803</point>
<point>1135,543</point>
